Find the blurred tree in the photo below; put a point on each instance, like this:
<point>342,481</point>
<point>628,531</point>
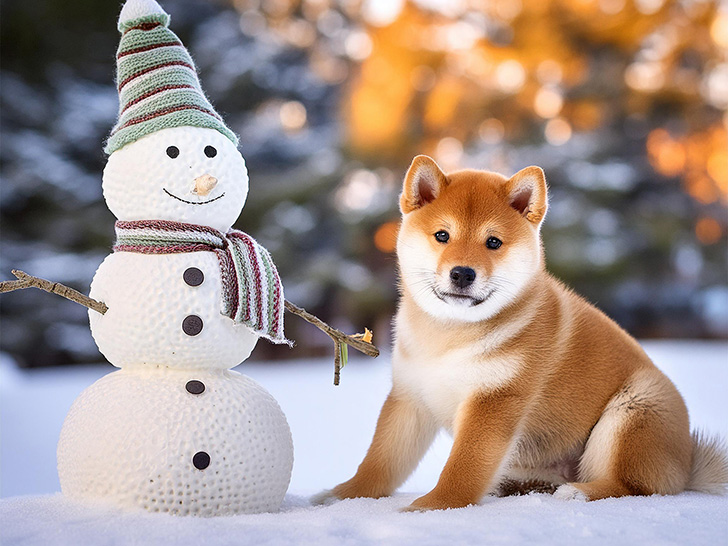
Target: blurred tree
<point>621,101</point>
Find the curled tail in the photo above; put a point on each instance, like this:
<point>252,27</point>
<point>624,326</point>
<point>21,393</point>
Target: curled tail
<point>709,473</point>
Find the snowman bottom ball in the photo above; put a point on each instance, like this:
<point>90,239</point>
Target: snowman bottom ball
<point>186,442</point>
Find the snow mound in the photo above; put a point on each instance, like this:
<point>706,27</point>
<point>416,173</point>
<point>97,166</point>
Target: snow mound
<point>688,518</point>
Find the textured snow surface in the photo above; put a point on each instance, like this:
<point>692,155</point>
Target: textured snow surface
<point>689,519</point>
<point>331,430</point>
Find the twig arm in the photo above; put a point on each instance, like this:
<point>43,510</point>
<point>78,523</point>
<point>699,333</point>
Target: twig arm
<point>361,346</point>
<point>29,281</point>
<point>337,336</point>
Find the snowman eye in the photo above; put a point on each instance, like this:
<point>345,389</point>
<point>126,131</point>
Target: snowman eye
<point>210,151</point>
<point>173,151</point>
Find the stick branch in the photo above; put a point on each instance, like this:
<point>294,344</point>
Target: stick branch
<point>29,281</point>
<point>337,336</point>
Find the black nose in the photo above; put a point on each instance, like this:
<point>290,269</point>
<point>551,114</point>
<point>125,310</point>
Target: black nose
<point>462,276</point>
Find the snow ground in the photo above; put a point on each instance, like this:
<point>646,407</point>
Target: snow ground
<point>332,427</point>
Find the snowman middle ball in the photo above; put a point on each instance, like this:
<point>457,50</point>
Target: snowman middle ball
<point>157,318</point>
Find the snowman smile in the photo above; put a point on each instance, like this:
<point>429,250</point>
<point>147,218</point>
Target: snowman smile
<point>194,202</point>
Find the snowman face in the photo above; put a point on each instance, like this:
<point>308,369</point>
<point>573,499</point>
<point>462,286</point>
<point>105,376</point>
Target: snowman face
<point>182,174</point>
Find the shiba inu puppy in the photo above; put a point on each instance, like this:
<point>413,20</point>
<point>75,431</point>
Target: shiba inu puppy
<point>539,389</point>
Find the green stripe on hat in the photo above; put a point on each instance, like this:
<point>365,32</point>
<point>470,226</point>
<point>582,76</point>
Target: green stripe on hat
<point>181,118</point>
<point>143,62</point>
<point>166,99</point>
<point>145,38</point>
<point>157,79</point>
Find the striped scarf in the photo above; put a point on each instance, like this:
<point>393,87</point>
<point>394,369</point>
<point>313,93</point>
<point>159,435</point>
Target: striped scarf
<point>252,292</point>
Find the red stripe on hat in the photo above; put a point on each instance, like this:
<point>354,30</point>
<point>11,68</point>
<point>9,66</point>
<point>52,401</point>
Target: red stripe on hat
<point>148,48</point>
<point>164,111</point>
<point>155,67</point>
<point>144,26</point>
<point>154,92</point>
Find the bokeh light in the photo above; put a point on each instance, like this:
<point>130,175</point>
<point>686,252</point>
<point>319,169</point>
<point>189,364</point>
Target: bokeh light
<point>557,132</point>
<point>293,115</point>
<point>385,238</point>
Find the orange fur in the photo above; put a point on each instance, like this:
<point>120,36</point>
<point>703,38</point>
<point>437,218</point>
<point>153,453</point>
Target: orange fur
<point>536,385</point>
<point>401,438</point>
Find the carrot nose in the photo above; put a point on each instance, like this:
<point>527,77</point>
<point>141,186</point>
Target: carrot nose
<point>204,184</point>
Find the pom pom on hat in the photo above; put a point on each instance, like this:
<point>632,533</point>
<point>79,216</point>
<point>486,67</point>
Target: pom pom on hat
<point>136,11</point>
<point>156,79</point>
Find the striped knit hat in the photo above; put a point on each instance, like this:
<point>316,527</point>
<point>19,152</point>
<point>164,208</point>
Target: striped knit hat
<point>156,79</point>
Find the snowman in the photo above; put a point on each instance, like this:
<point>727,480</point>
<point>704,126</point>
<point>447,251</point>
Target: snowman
<point>175,429</point>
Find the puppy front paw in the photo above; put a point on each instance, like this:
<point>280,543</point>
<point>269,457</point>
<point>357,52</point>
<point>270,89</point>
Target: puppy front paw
<point>325,497</point>
<point>433,501</point>
<point>352,489</point>
<point>330,496</point>
<point>569,492</point>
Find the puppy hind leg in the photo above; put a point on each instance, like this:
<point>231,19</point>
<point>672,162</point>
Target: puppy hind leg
<point>595,490</point>
<point>640,445</point>
<point>629,466</point>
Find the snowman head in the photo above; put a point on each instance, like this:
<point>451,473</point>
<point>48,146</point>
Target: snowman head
<point>171,155</point>
<point>183,174</point>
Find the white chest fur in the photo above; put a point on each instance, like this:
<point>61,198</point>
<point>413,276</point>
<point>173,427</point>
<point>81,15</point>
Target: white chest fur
<point>152,305</point>
<point>443,380</point>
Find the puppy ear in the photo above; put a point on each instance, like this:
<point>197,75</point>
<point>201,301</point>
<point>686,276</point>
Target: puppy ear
<point>422,184</point>
<point>527,193</point>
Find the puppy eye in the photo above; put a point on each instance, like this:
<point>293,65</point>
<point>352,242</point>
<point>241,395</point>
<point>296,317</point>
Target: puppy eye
<point>493,243</point>
<point>442,236</point>
<point>210,151</point>
<point>173,151</point>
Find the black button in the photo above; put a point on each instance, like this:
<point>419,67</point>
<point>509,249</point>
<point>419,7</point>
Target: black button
<point>201,460</point>
<point>193,276</point>
<point>192,325</point>
<point>195,387</point>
